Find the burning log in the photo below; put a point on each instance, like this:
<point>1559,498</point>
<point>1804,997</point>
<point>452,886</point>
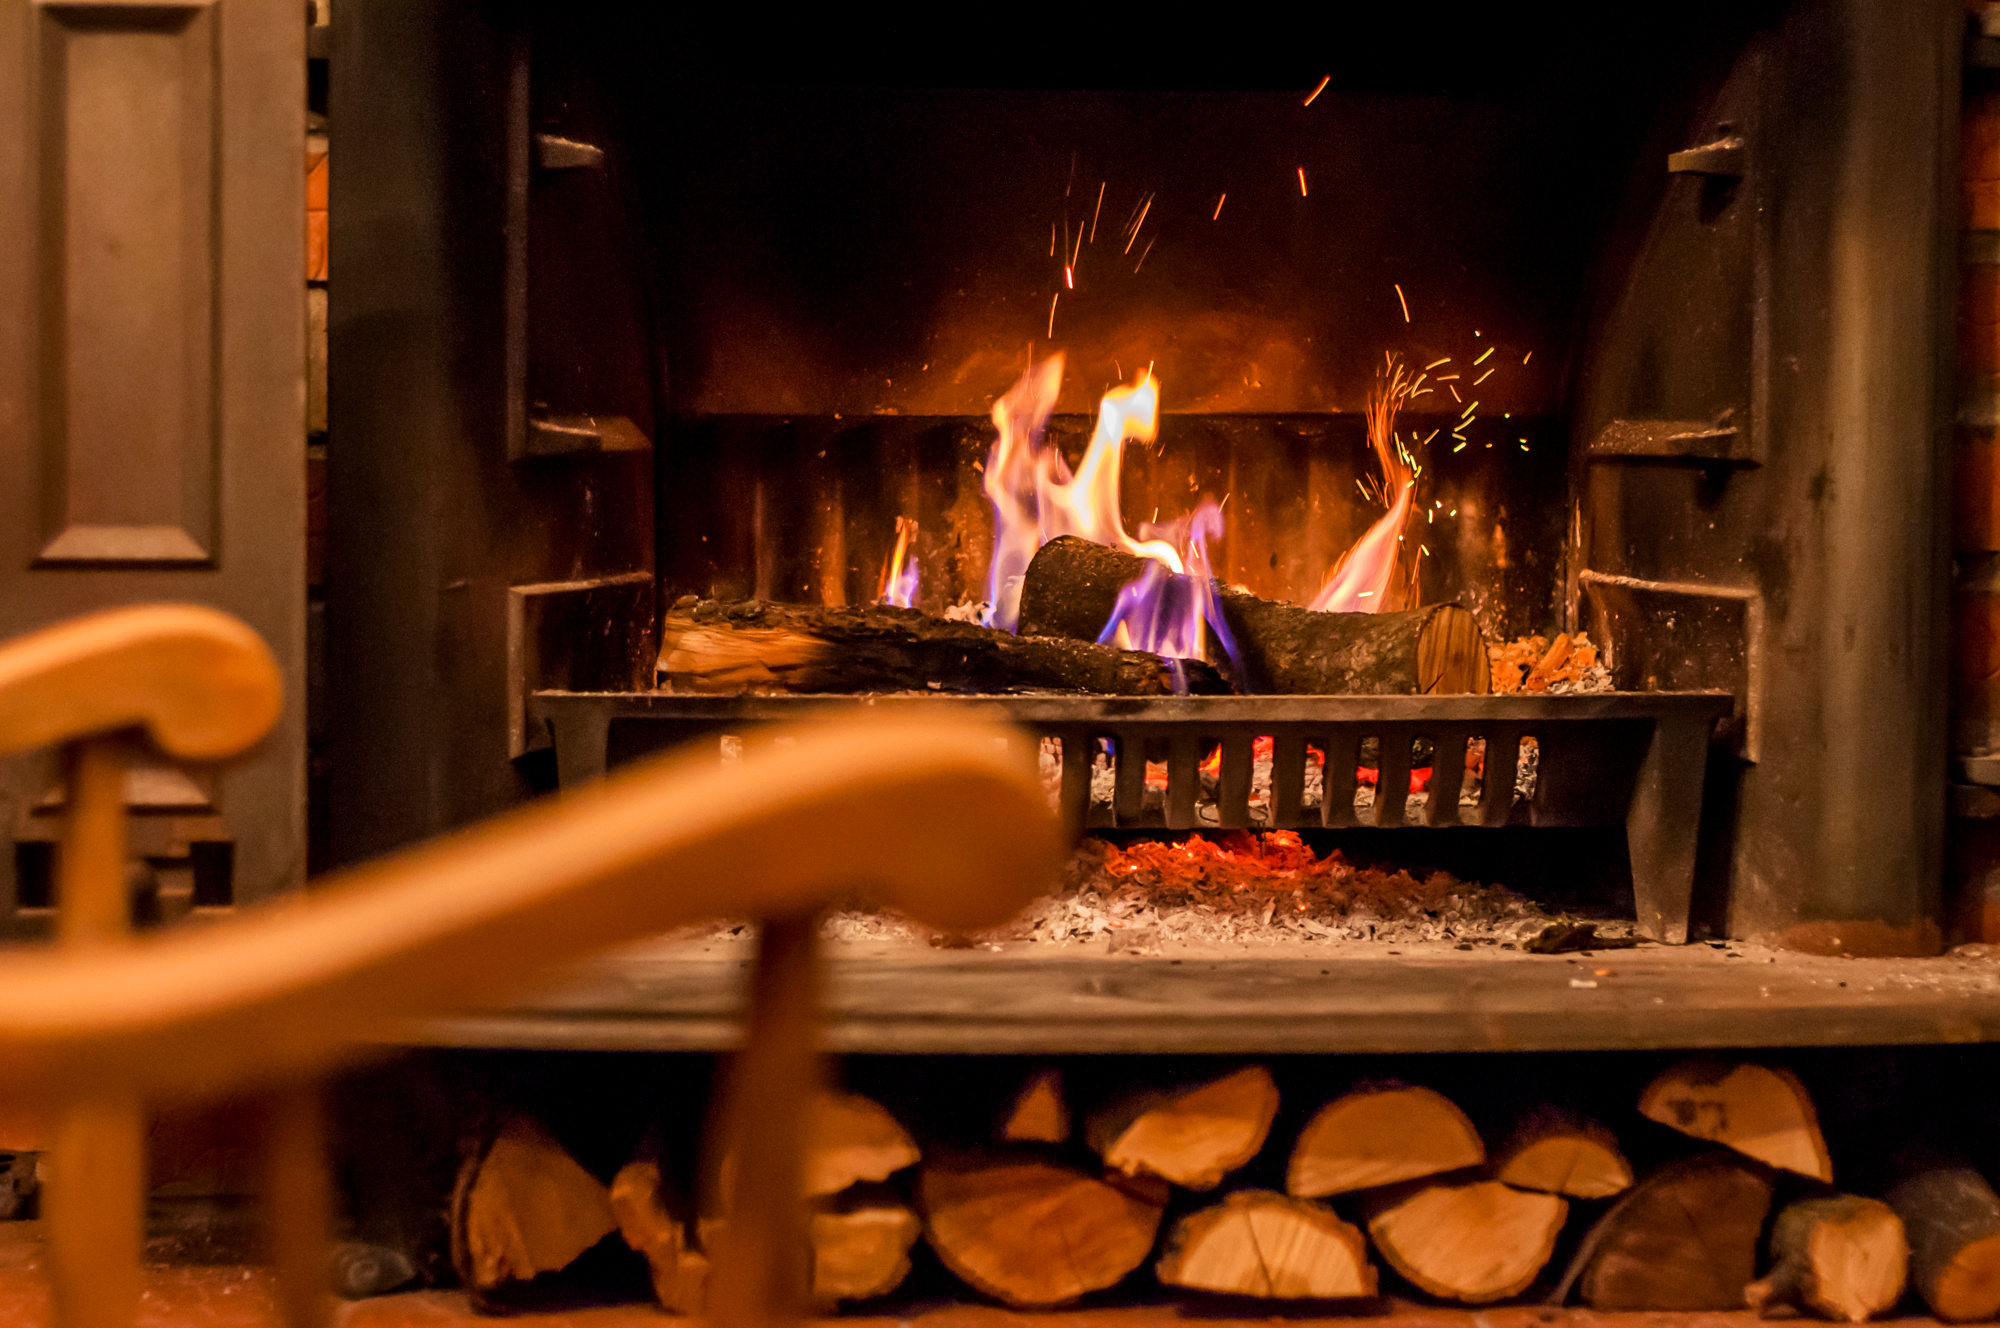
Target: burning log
<point>751,645</point>
<point>1843,1257</point>
<point>1380,1135</point>
<point>1072,586</point>
<point>1558,1152</point>
<point>1952,1218</point>
<point>1477,1242</point>
<point>1194,1137</point>
<point>524,1207</point>
<point>648,1224</point>
<point>1033,1233</point>
<point>1685,1238</point>
<point>1260,1243</point>
<point>1038,1113</point>
<point>1759,1111</point>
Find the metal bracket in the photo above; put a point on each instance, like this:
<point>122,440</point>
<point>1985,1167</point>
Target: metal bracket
<point>562,435</point>
<point>1724,158</point>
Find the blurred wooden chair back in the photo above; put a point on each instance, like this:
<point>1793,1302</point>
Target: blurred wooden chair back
<point>941,820</point>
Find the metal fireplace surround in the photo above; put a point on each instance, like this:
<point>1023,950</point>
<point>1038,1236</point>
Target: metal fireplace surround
<point>1754,350</point>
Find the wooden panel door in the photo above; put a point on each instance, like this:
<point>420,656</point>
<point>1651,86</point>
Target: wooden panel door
<point>152,389</point>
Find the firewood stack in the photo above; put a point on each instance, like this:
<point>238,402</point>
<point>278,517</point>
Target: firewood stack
<point>1066,1198</point>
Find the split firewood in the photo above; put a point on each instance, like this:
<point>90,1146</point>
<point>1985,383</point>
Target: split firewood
<point>1477,1242</point>
<point>1033,1233</point>
<point>680,1272</point>
<point>1380,1135</point>
<point>524,1207</point>
<point>1760,1112</point>
<point>1193,1137</point>
<point>1265,1244</point>
<point>1843,1257</point>
<point>1071,590</point>
<point>849,1139</point>
<point>1557,1152</point>
<point>1683,1238</point>
<point>1952,1220</point>
<point>1038,1113</point>
<point>751,645</point>
<point>861,1251</point>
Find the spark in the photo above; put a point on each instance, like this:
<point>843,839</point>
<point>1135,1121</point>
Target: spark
<point>1367,594</point>
<point>1468,410</point>
<point>1483,354</point>
<point>1052,239</point>
<point>1218,207</point>
<point>1483,377</point>
<point>1052,314</point>
<point>1524,447</point>
<point>1447,378</point>
<point>1316,91</point>
<point>1302,182</point>
<point>1405,303</point>
<point>1430,516</point>
<point>1100,208</point>
<point>1147,207</point>
<point>1424,550</point>
<point>1529,356</point>
<point>1364,488</point>
<point>1069,277</point>
<point>1142,254</point>
<point>1459,448</point>
<point>1433,433</point>
<point>1435,363</point>
<point>1071,183</point>
<point>1454,392</point>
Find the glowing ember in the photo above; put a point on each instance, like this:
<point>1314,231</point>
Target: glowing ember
<point>900,576</point>
<point>1361,581</point>
<point>1035,496</point>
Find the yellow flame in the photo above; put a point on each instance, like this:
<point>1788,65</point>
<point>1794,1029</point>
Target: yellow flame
<point>899,573</point>
<point>1036,498</point>
<point>1360,581</point>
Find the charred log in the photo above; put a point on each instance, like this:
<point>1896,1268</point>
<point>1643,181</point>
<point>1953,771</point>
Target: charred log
<point>751,645</point>
<point>1072,587</point>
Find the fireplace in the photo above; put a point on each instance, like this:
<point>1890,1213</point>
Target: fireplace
<point>621,320</point>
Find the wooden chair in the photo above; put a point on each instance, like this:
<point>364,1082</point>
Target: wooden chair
<point>941,820</point>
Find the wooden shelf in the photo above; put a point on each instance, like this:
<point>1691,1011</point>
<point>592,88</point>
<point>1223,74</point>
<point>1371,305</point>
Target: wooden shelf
<point>1338,997</point>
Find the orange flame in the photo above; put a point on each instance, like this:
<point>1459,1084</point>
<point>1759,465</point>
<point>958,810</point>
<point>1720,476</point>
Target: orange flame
<point>1036,498</point>
<point>1360,581</point>
<point>899,574</point>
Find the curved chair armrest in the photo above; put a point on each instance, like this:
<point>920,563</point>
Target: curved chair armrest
<point>202,684</point>
<point>941,819</point>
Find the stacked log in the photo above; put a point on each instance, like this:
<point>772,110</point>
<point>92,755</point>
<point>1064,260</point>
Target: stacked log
<point>1040,1214</point>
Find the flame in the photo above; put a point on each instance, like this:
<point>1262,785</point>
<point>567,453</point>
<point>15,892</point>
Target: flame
<point>900,575</point>
<point>1036,498</point>
<point>1171,614</point>
<point>1360,581</point>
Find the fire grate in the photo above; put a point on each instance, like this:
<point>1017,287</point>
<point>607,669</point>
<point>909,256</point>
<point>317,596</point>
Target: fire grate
<point>1637,758</point>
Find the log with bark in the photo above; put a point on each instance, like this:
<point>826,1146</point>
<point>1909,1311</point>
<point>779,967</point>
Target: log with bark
<point>1072,588</point>
<point>1759,1111</point>
<point>1192,1137</point>
<point>1038,1114</point>
<point>751,645</point>
<point>1380,1134</point>
<point>1477,1242</point>
<point>1035,1233</point>
<point>1684,1238</point>
<point>1558,1152</point>
<point>1843,1257</point>
<point>1268,1245</point>
<point>1952,1220</point>
<point>524,1207</point>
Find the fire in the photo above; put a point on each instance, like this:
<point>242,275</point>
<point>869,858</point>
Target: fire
<point>900,575</point>
<point>1035,496</point>
<point>1360,582</point>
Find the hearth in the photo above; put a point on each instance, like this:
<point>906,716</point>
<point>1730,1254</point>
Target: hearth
<point>726,330</point>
